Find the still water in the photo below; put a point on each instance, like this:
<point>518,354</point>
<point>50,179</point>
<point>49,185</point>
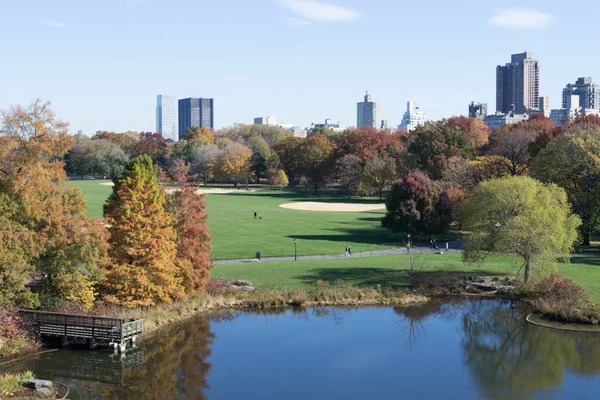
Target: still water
<point>454,350</point>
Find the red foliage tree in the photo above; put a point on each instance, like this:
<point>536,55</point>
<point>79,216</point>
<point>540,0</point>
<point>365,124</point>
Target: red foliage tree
<point>367,143</point>
<point>188,209</point>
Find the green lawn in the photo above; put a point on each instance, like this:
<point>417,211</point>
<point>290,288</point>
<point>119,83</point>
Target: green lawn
<point>236,234</point>
<point>391,270</point>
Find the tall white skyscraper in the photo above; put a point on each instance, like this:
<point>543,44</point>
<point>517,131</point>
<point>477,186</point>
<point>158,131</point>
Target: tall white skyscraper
<point>413,117</point>
<point>367,113</point>
<point>167,117</point>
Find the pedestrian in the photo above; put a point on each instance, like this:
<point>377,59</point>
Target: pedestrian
<point>430,243</point>
<point>258,255</point>
<point>254,214</point>
<point>347,251</point>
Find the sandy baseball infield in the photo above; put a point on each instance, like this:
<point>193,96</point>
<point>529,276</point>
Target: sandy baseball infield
<point>198,191</point>
<point>332,207</point>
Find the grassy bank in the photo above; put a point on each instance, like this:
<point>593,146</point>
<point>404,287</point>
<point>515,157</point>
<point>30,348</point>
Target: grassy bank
<point>236,234</point>
<point>10,385</point>
<point>393,271</point>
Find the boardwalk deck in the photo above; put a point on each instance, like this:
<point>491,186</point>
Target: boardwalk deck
<point>93,329</point>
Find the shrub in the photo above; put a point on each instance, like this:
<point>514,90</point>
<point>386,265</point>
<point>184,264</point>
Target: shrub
<point>14,334</point>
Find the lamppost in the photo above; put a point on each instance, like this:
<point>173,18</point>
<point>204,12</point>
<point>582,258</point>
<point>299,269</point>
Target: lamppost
<point>295,252</point>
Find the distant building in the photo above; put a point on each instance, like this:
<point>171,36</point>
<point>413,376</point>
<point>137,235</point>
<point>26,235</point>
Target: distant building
<point>587,91</point>
<point>299,132</point>
<point>499,120</point>
<point>384,124</point>
<point>195,112</point>
<point>518,85</point>
<point>329,124</point>
<point>545,106</point>
<point>367,113</point>
<point>571,111</point>
<point>271,121</point>
<point>167,119</point>
<point>477,110</point>
<point>413,117</point>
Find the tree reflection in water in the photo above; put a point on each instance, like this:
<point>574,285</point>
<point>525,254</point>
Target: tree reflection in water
<point>412,323</point>
<point>510,359</point>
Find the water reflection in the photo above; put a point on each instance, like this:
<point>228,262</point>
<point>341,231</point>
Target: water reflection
<point>481,349</point>
<point>510,359</point>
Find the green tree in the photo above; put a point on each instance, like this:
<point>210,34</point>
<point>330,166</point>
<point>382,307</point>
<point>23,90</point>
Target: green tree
<point>260,156</point>
<point>143,249</point>
<point>572,161</point>
<point>288,149</point>
<point>522,216</point>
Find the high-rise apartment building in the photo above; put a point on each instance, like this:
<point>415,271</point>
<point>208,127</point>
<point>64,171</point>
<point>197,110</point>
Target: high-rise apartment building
<point>518,85</point>
<point>367,113</point>
<point>195,112</point>
<point>166,117</point>
<point>477,110</point>
<point>546,106</point>
<point>271,121</point>
<point>413,117</point>
<point>586,89</point>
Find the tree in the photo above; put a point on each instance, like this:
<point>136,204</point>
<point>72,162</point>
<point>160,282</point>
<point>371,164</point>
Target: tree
<point>434,143</point>
<point>278,178</point>
<point>316,159</point>
<point>379,173</point>
<point>477,130</point>
<point>143,250</point>
<point>202,136</point>
<point>413,206</point>
<point>153,145</point>
<point>512,150</point>
<point>288,150</point>
<point>203,161</point>
<point>109,159</point>
<point>188,210</point>
<point>367,143</point>
<point>80,158</point>
<point>233,163</point>
<point>521,216</point>
<point>260,156</point>
<point>350,174</point>
<point>44,229</point>
<point>572,161</point>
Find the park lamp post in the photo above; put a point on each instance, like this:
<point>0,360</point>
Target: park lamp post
<point>295,252</point>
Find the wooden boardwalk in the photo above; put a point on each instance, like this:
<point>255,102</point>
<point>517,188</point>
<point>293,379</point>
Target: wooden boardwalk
<point>94,330</point>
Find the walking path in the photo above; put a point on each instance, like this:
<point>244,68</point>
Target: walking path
<point>454,247</point>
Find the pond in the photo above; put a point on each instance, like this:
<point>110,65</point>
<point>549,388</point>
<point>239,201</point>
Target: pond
<point>467,349</point>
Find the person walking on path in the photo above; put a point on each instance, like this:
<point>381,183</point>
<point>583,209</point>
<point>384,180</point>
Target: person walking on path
<point>347,251</point>
<point>257,257</point>
<point>254,214</point>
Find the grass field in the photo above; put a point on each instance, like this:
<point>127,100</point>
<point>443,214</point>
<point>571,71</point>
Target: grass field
<point>236,234</point>
<point>391,271</point>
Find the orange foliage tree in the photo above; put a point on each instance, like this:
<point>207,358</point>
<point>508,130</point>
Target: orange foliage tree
<point>143,251</point>
<point>188,210</point>
<point>44,229</point>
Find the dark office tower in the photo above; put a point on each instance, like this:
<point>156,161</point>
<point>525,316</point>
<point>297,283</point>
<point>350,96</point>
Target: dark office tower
<point>195,112</point>
<point>518,85</point>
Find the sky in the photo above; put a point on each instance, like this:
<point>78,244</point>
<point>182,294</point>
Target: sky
<point>102,62</point>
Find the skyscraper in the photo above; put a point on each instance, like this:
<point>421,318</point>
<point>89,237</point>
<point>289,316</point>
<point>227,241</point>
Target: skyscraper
<point>477,110</point>
<point>166,117</point>
<point>586,89</point>
<point>413,117</point>
<point>367,113</point>
<point>195,112</point>
<point>518,85</point>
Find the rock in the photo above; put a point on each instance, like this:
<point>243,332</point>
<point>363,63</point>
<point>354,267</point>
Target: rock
<point>248,288</point>
<point>37,384</point>
<point>242,283</point>
<point>43,392</point>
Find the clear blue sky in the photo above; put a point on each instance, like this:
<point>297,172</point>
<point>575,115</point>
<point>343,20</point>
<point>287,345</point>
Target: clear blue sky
<point>102,62</point>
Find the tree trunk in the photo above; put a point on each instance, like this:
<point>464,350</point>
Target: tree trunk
<point>527,273</point>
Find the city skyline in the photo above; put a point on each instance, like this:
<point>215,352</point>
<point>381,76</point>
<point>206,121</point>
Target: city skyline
<point>105,58</point>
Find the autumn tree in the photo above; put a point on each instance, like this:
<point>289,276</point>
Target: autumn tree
<point>203,161</point>
<point>572,161</point>
<point>188,210</point>
<point>288,150</point>
<point>378,174</point>
<point>511,149</point>
<point>316,159</point>
<point>413,206</point>
<point>201,136</point>
<point>350,174</point>
<point>44,229</point>
<point>143,251</point>
<point>277,178</point>
<point>233,163</point>
<point>475,128</point>
<point>522,216</point>
<point>434,143</point>
<point>367,143</point>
